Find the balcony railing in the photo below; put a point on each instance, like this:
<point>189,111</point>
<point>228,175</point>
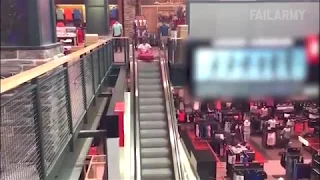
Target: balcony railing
<point>42,108</point>
<point>175,50</point>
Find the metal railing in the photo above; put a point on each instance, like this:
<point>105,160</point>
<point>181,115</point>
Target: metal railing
<point>175,50</point>
<point>172,123</point>
<point>135,123</point>
<point>41,109</point>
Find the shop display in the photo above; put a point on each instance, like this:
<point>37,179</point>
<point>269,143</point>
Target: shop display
<point>294,164</point>
<point>140,26</point>
<point>279,124</point>
<point>70,15</point>
<point>240,163</point>
<point>70,24</point>
<point>170,14</point>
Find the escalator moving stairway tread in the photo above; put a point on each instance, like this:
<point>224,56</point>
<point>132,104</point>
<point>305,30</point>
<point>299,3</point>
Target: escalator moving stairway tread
<point>155,152</point>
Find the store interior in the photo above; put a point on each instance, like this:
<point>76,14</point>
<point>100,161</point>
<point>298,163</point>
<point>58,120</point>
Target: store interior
<point>252,133</point>
<point>244,136</point>
<point>71,24</point>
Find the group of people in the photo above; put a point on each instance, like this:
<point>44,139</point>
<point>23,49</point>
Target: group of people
<point>117,32</point>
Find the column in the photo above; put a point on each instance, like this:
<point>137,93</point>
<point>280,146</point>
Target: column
<point>28,35</point>
<point>120,10</point>
<point>97,17</point>
<point>129,13</point>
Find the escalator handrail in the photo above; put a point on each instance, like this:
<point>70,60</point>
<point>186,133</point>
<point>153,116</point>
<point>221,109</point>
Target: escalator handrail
<point>173,131</point>
<point>135,123</point>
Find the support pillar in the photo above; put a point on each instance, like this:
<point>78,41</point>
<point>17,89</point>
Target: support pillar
<point>129,13</point>
<point>97,17</point>
<point>28,35</point>
<point>120,10</point>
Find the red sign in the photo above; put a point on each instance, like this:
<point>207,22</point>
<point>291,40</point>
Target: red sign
<point>119,109</point>
<point>313,49</point>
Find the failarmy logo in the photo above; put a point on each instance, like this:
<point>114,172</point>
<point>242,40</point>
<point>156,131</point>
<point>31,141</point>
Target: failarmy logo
<point>277,15</point>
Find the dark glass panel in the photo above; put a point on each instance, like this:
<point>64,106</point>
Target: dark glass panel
<point>14,23</point>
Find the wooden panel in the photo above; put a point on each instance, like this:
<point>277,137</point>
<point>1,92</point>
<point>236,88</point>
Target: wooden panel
<point>151,15</point>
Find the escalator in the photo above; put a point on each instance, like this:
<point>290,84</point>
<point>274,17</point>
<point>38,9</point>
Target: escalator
<point>156,160</point>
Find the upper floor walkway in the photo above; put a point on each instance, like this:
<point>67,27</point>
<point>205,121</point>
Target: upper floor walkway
<point>49,114</point>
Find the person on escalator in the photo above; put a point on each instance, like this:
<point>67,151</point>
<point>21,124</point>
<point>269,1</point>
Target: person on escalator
<point>144,48</point>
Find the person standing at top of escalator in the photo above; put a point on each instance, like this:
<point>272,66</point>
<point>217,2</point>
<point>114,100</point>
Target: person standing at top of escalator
<point>117,31</point>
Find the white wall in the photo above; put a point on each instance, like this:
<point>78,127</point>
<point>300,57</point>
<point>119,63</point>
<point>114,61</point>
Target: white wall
<point>232,19</point>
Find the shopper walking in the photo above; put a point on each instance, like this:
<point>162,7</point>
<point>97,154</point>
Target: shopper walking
<point>117,31</point>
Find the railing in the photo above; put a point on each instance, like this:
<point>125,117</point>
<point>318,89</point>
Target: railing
<point>175,48</point>
<point>173,130</point>
<point>173,121</point>
<point>42,108</point>
<point>135,123</point>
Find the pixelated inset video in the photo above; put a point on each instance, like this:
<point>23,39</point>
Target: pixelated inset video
<point>269,67</point>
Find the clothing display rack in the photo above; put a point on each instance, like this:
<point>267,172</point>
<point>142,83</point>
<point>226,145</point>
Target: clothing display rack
<point>70,15</point>
<point>140,26</point>
<point>247,171</point>
<point>159,13</point>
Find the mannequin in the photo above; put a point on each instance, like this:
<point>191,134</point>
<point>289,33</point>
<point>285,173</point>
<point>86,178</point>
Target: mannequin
<point>272,123</point>
<point>246,130</point>
<point>264,112</point>
<point>286,132</point>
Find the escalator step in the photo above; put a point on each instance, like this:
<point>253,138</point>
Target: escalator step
<point>149,75</point>
<point>156,87</point>
<point>155,152</point>
<point>150,94</point>
<point>153,163</point>
<point>153,124</point>
<point>147,69</point>
<point>152,116</point>
<point>156,174</point>
<point>151,108</point>
<point>150,101</point>
<point>153,81</point>
<point>153,133</point>
<point>154,142</point>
